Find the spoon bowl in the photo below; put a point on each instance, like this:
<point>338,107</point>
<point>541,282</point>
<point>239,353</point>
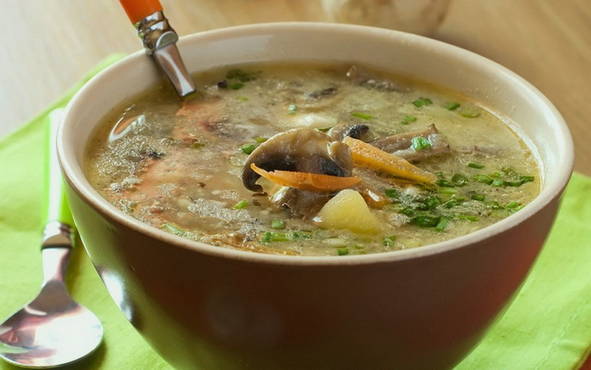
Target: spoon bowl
<point>52,330</point>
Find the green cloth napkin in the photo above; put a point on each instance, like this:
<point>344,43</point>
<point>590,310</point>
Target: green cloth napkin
<point>548,326</point>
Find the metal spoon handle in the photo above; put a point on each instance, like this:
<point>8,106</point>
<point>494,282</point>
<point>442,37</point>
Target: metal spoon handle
<point>160,39</point>
<point>57,206</point>
<point>58,235</point>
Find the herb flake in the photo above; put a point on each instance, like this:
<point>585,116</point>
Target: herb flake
<point>421,102</point>
<point>241,205</point>
<point>442,224</point>
<point>363,116</point>
<point>420,143</point>
<point>452,105</point>
<point>408,119</point>
<point>342,251</point>
<point>475,165</point>
<point>278,224</point>
<point>389,241</point>
<point>248,148</point>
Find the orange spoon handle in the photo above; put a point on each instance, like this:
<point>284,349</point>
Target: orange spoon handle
<point>139,9</point>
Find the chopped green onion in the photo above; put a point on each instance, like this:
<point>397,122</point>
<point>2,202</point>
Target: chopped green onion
<point>389,241</point>
<point>292,109</point>
<point>408,119</point>
<point>241,75</point>
<point>342,251</point>
<point>447,190</point>
<point>422,102</point>
<point>522,180</point>
<point>452,105</point>
<point>298,235</point>
<point>479,197</point>
<point>236,85</point>
<point>278,224</point>
<point>241,205</point>
<point>197,145</point>
<point>444,183</point>
<point>173,229</point>
<point>513,205</point>
<point>498,182</point>
<point>420,143</point>
<point>459,180</point>
<point>482,179</point>
<point>363,116</point>
<point>453,202</point>
<point>242,98</point>
<point>475,165</point>
<point>513,183</point>
<point>248,148</point>
<point>470,114</point>
<point>324,129</point>
<point>470,218</point>
<point>271,236</point>
<point>442,224</point>
<point>260,139</point>
<point>426,221</point>
<point>430,202</point>
<point>392,193</point>
<point>408,211</point>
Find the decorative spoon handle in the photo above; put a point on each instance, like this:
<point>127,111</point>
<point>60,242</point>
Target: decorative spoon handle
<point>139,9</point>
<point>58,235</point>
<point>57,209</point>
<point>160,39</point>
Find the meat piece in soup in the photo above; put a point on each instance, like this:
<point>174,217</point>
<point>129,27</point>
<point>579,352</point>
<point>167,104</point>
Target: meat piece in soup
<point>306,159</point>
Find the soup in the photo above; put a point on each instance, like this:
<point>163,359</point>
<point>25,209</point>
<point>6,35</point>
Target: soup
<point>308,159</point>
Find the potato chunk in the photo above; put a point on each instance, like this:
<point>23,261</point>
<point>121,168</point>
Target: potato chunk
<point>348,210</point>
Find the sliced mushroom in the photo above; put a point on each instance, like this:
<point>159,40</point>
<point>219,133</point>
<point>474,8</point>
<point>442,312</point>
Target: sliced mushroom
<point>364,78</point>
<point>356,131</point>
<point>300,202</point>
<point>319,94</point>
<point>372,187</point>
<point>482,150</point>
<point>303,150</point>
<point>401,144</point>
<point>319,100</point>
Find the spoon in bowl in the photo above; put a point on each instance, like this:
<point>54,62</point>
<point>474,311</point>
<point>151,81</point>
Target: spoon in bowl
<point>52,330</point>
<point>160,39</point>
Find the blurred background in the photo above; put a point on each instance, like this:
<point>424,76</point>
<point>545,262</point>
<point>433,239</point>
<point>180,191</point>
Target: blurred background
<point>47,45</point>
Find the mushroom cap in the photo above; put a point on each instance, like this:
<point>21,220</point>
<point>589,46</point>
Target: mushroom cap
<point>303,150</point>
<point>358,131</point>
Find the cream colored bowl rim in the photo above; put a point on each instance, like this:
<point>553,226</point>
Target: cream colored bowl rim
<point>559,178</point>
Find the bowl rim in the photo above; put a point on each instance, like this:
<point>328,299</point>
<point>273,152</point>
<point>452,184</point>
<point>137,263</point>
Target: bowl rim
<point>76,179</point>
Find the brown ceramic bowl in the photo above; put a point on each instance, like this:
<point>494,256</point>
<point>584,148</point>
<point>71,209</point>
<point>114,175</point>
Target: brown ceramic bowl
<point>212,308</point>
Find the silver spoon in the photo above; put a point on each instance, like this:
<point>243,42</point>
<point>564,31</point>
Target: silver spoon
<point>52,330</point>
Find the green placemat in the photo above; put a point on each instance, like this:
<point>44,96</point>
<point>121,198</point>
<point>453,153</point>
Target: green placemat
<point>548,326</point>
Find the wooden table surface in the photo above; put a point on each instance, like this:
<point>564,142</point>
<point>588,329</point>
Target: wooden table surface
<point>48,45</point>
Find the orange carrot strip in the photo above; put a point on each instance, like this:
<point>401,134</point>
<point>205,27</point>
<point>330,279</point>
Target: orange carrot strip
<point>139,9</point>
<point>306,180</point>
<point>367,155</point>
